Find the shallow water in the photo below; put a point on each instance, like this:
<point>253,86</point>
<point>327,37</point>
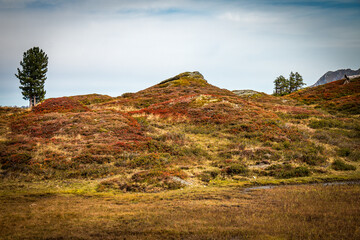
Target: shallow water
<point>302,184</point>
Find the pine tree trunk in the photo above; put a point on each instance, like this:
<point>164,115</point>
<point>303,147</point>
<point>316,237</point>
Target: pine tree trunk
<point>32,102</point>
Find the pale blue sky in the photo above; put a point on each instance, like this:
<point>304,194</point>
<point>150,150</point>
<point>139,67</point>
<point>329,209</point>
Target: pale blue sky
<point>111,47</point>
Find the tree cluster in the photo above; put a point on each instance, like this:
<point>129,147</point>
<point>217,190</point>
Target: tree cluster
<point>285,86</point>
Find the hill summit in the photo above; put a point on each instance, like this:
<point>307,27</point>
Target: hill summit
<point>183,84</point>
<point>186,78</point>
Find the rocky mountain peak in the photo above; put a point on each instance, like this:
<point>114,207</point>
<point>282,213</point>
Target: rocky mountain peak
<point>331,76</point>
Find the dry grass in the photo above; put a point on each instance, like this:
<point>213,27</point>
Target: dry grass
<point>291,212</point>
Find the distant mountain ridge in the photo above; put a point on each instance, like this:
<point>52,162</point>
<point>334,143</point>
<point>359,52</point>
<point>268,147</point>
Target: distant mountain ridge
<point>331,76</point>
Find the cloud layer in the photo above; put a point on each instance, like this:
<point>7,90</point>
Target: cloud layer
<point>114,47</point>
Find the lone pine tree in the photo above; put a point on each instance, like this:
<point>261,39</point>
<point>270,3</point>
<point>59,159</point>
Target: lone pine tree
<point>33,75</point>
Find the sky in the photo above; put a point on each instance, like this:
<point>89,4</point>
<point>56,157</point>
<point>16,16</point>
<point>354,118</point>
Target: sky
<point>112,47</point>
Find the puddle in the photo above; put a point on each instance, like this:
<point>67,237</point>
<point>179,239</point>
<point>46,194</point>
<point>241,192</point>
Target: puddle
<point>340,183</point>
<point>306,184</point>
<point>258,187</point>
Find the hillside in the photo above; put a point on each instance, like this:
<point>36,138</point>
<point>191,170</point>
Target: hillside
<point>331,76</point>
<point>184,84</point>
<point>181,132</point>
<point>334,97</point>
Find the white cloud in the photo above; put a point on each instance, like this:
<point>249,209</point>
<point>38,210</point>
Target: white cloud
<point>246,17</point>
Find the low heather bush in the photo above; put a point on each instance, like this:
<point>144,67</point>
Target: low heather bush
<point>287,171</point>
<point>339,165</point>
<point>236,169</point>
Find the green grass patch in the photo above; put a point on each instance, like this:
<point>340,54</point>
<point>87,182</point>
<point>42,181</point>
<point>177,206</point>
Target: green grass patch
<point>287,171</point>
<point>339,165</point>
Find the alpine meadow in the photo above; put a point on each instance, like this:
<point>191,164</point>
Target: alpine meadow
<point>165,162</point>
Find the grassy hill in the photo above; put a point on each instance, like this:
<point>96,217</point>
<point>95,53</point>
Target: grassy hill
<point>97,167</point>
<point>185,132</point>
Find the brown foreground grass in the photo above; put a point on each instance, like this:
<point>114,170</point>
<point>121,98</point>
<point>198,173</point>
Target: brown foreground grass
<point>285,212</point>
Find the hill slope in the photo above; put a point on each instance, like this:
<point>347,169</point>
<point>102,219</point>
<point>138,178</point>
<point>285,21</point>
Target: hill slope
<point>335,97</point>
<point>182,131</point>
<point>184,84</point>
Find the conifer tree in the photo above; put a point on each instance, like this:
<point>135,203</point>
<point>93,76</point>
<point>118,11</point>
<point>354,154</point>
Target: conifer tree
<point>280,85</point>
<point>33,75</point>
<point>284,85</point>
<point>292,84</point>
<point>277,86</point>
<point>298,81</point>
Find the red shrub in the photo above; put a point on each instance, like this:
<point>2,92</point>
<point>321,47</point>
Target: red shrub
<point>62,105</point>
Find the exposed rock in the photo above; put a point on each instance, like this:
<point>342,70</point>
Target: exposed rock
<point>348,79</point>
<point>194,75</point>
<point>246,93</point>
<point>179,180</point>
